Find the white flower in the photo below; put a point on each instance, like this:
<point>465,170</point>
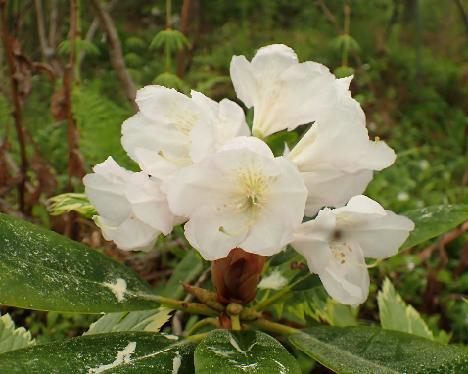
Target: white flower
<point>337,158</point>
<point>241,196</point>
<point>132,209</point>
<point>283,92</point>
<point>172,130</point>
<point>337,241</point>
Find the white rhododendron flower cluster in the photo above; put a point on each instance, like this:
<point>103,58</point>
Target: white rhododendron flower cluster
<point>201,166</point>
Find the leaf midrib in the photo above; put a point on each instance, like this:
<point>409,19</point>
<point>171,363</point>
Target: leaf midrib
<point>123,364</point>
<point>345,353</point>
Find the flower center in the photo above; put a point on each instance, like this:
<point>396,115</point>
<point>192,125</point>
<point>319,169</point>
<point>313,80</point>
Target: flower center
<point>254,186</point>
<point>340,250</point>
<point>184,121</point>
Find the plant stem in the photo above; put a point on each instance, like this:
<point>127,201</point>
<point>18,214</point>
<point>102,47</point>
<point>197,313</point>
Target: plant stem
<point>168,13</point>
<point>347,14</point>
<point>277,296</point>
<point>193,308</point>
<point>205,296</point>
<point>235,322</point>
<point>270,326</point>
<point>115,51</point>
<point>202,323</point>
<point>8,41</point>
<point>197,337</point>
<point>76,166</point>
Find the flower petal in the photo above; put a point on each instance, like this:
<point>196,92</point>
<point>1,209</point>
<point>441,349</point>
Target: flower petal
<point>311,240</point>
<point>347,283</point>
<point>214,232</point>
<point>194,186</point>
<point>132,209</point>
<point>172,130</point>
<point>105,189</point>
<point>159,165</point>
<point>165,105</point>
<point>251,143</point>
<point>332,188</point>
<point>148,202</point>
<point>131,234</point>
<point>284,92</point>
<point>340,140</point>
<point>236,198</point>
<point>379,232</point>
<point>243,80</point>
<point>273,59</point>
<point>339,264</point>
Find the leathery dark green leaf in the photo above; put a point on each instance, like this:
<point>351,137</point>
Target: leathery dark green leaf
<point>123,352</point>
<point>371,350</point>
<point>42,270</point>
<point>254,352</point>
<point>433,221</point>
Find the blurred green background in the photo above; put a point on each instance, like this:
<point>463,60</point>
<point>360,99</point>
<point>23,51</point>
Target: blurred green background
<point>410,66</point>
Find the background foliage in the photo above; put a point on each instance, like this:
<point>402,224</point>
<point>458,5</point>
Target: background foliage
<point>409,60</point>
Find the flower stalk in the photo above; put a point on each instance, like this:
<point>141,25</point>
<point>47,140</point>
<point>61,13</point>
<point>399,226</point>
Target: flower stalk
<point>205,296</point>
<point>277,296</point>
<point>194,308</point>
<point>202,323</point>
<point>275,327</point>
<point>235,322</point>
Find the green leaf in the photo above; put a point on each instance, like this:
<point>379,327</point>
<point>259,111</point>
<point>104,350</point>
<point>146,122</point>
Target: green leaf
<point>343,71</point>
<point>206,85</point>
<point>396,315</point>
<point>42,270</point>
<point>68,202</point>
<point>99,117</point>
<point>433,221</point>
<point>144,320</point>
<point>229,352</point>
<point>12,338</point>
<point>80,44</point>
<point>345,42</point>
<point>170,80</point>
<point>128,352</point>
<point>279,141</point>
<point>285,256</point>
<point>185,272</point>
<point>171,39</point>
<point>369,350</point>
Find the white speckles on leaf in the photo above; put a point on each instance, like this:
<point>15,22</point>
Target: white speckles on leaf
<point>46,271</point>
<point>171,337</point>
<point>233,342</point>
<point>176,362</point>
<point>246,351</point>
<point>119,288</point>
<point>123,357</point>
<point>274,281</point>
